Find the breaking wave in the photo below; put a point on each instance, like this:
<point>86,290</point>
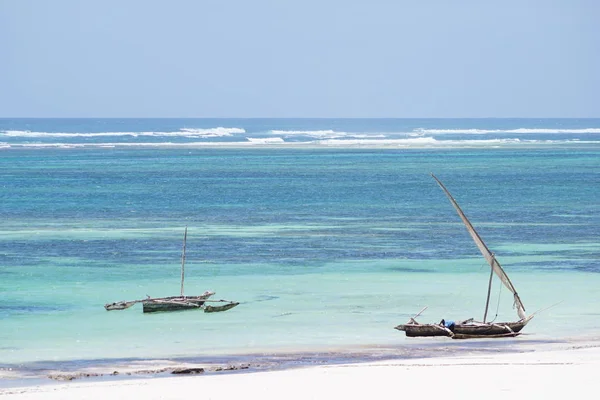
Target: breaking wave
<point>417,142</point>
<point>266,140</point>
<point>328,133</point>
<point>518,130</point>
<point>184,132</point>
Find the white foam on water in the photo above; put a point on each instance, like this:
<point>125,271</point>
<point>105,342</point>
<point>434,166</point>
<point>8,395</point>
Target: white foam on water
<point>184,132</point>
<point>212,132</point>
<point>413,142</point>
<point>518,130</point>
<point>328,133</point>
<point>266,140</point>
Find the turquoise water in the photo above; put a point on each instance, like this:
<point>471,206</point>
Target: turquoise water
<point>325,244</point>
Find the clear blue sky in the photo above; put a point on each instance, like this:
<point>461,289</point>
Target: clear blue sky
<point>305,58</point>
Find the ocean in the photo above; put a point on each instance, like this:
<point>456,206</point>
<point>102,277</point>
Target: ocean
<point>329,232</point>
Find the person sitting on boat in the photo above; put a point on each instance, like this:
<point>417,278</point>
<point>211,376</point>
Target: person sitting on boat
<point>448,324</point>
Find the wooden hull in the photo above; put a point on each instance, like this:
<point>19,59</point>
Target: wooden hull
<point>500,329</point>
<point>120,305</point>
<point>469,330</point>
<point>424,330</point>
<point>174,303</point>
<point>224,307</point>
<point>500,335</point>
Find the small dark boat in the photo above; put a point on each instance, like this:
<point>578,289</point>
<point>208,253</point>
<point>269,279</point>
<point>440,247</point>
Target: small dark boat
<point>224,307</point>
<point>470,329</point>
<point>176,303</point>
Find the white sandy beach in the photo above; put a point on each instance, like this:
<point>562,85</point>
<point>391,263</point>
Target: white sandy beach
<point>556,373</point>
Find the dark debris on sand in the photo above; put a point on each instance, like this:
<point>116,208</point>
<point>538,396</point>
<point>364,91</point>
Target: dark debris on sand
<point>176,371</point>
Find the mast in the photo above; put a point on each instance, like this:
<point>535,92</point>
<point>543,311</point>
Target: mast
<point>183,260</point>
<point>487,300</point>
<point>489,256</point>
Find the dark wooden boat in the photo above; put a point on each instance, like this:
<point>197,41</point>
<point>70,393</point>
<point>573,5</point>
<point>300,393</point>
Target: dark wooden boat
<point>151,304</point>
<point>176,303</point>
<point>464,330</point>
<point>223,307</point>
<point>470,329</point>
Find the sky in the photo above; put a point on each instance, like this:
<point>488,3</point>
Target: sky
<point>305,58</point>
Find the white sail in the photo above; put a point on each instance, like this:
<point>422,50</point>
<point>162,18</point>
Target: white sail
<point>489,256</point>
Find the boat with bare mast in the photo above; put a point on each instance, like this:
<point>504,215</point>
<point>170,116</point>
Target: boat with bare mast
<point>177,303</point>
<point>470,329</point>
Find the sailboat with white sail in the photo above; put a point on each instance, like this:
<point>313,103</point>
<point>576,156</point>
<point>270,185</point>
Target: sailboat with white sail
<point>470,328</point>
